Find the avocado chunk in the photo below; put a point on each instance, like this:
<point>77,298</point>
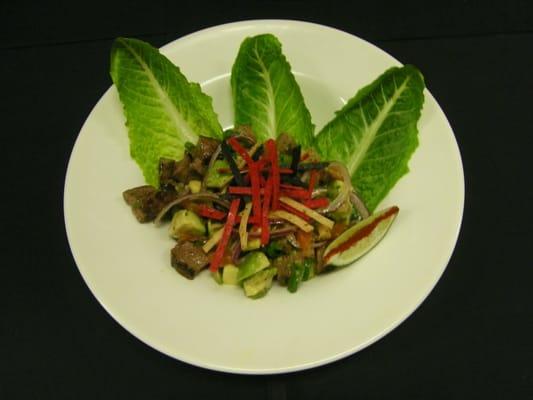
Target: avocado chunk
<point>194,186</point>
<point>253,244</point>
<point>259,284</point>
<point>251,264</point>
<point>212,227</point>
<point>186,224</point>
<point>217,276</point>
<point>229,274</point>
<point>216,179</point>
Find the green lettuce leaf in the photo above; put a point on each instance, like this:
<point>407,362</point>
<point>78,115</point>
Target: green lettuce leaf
<point>163,110</point>
<point>266,95</point>
<point>375,133</point>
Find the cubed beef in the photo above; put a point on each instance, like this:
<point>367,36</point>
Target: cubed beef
<point>188,259</point>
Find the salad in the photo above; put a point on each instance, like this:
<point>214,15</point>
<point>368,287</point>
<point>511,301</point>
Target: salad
<point>267,200</point>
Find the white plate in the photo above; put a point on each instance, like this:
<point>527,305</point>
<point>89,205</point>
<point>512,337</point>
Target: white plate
<point>126,264</point>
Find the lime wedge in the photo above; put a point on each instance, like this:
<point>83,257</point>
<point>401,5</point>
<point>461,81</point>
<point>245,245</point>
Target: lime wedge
<point>360,238</point>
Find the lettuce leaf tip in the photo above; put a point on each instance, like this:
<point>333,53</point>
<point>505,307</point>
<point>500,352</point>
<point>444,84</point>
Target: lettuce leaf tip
<point>266,96</point>
<point>163,110</point>
<point>376,133</point>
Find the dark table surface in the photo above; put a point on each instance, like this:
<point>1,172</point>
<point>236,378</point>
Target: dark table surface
<point>472,337</point>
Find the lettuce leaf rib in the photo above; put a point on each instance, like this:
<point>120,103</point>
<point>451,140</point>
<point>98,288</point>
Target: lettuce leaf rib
<point>266,95</point>
<point>375,133</point>
<point>163,110</point>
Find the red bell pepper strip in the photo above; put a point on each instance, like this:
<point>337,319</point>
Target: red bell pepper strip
<point>234,143</point>
<point>254,220</point>
<point>253,190</point>
<point>316,203</point>
<point>256,191</point>
<point>301,194</point>
<point>312,181</point>
<point>290,187</point>
<point>223,243</point>
<point>244,190</point>
<point>283,171</point>
<point>265,229</point>
<point>210,213</point>
<point>294,211</point>
<point>262,163</point>
<point>254,175</point>
<point>273,154</point>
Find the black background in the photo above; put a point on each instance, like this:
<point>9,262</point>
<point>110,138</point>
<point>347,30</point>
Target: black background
<point>471,339</point>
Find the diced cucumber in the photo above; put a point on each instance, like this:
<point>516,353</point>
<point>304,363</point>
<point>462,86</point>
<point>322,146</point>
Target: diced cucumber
<point>259,284</point>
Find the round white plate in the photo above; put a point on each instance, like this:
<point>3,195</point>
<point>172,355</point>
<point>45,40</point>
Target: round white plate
<point>126,264</point>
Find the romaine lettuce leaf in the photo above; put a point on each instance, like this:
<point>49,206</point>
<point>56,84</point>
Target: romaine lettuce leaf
<point>163,110</point>
<point>375,133</point>
<point>266,95</point>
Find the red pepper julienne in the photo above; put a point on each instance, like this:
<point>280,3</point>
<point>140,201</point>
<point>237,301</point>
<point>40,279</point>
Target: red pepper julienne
<point>265,191</point>
<point>265,229</point>
<point>222,244</point>
<point>316,203</point>
<point>300,193</point>
<point>243,190</point>
<point>282,171</point>
<point>294,211</point>
<point>254,175</point>
<point>210,213</point>
<point>273,155</point>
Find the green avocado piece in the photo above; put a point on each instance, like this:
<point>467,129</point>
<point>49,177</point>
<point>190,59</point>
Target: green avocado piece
<point>217,276</point>
<point>253,244</point>
<point>259,284</point>
<point>229,274</point>
<point>213,227</point>
<point>251,264</point>
<point>217,179</point>
<point>186,223</point>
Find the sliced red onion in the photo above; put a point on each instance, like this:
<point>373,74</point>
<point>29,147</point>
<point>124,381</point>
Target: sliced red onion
<point>250,139</point>
<point>292,240</point>
<point>190,197</point>
<point>359,205</point>
<point>343,195</point>
<point>211,163</point>
<point>282,231</point>
<point>236,251</point>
